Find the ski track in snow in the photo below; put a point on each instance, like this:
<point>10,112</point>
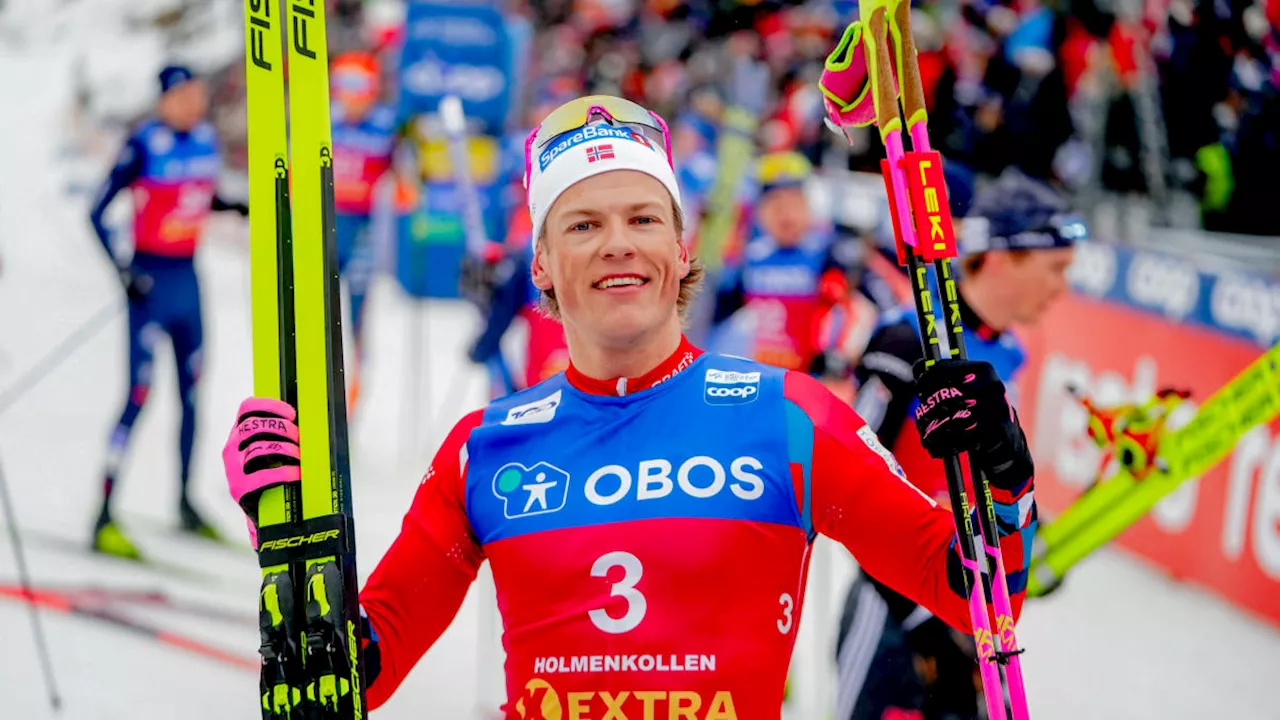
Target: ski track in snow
<point>1118,641</point>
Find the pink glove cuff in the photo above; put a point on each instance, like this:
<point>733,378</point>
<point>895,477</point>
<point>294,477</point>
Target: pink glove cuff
<point>846,81</point>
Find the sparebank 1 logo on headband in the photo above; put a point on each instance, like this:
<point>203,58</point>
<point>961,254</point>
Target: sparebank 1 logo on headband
<point>590,133</point>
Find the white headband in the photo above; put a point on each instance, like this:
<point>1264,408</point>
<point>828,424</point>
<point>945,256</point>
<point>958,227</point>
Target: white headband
<point>595,149</point>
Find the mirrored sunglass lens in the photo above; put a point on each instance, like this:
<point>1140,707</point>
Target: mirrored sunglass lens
<point>574,115</point>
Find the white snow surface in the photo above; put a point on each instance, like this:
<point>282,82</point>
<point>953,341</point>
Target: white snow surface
<point>1120,640</point>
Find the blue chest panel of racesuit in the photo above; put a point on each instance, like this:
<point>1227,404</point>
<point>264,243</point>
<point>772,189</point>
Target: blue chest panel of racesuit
<point>773,271</point>
<point>552,457</point>
<point>373,135</point>
<point>173,192</point>
<point>174,157</point>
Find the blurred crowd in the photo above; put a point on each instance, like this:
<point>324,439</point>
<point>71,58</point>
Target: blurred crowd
<point>1148,97</point>
<point>1145,98</point>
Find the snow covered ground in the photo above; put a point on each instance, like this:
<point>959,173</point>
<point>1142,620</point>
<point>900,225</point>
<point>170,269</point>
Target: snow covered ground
<point>1118,641</point>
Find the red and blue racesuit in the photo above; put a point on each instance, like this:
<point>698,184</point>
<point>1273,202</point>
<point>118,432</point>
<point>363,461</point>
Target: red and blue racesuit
<point>362,155</point>
<point>172,177</point>
<point>649,538</point>
<point>788,291</point>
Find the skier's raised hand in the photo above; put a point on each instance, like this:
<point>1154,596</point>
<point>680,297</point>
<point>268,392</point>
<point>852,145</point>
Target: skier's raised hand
<point>963,408</point>
<point>261,452</point>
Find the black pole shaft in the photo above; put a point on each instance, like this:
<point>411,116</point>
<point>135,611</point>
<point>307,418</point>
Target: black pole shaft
<point>58,355</point>
<point>24,581</point>
<point>929,342</point>
<point>955,338</point>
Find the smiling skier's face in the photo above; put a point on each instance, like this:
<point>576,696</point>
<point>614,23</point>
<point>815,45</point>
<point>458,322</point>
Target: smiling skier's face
<point>613,257</point>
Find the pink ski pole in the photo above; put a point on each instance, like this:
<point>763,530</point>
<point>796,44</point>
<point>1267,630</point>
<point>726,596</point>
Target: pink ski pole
<point>913,106</point>
<point>873,34</point>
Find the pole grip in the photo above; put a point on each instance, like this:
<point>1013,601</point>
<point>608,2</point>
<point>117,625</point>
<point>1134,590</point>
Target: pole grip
<point>880,70</point>
<point>911,85</point>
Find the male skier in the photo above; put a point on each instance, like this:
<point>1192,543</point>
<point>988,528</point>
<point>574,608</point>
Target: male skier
<point>648,513</point>
<point>170,164</point>
<point>365,136</point>
<point>790,274</point>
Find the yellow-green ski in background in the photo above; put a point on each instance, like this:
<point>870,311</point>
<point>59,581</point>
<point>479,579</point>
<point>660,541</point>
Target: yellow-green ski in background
<point>1251,398</point>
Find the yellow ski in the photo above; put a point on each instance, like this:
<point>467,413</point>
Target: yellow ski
<point>311,650</point>
<point>273,355</point>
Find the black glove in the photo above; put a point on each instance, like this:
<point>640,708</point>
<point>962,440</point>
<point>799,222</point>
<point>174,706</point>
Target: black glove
<point>136,285</point>
<point>963,408</point>
<point>221,204</point>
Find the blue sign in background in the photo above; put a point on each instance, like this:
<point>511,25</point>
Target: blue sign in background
<point>462,49</point>
<point>1236,302</point>
<point>432,242</point>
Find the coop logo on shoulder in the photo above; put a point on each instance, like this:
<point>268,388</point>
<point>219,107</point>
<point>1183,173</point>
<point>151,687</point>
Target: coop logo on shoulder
<point>538,411</point>
<point>525,491</point>
<point>725,387</point>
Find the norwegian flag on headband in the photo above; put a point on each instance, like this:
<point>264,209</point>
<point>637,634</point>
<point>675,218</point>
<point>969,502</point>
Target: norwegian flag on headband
<point>600,152</point>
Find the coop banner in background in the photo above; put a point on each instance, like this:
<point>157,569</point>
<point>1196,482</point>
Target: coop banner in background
<point>463,49</point>
<point>1138,322</point>
<point>1234,302</point>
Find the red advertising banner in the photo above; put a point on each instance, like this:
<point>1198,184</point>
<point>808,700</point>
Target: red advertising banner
<point>1222,532</point>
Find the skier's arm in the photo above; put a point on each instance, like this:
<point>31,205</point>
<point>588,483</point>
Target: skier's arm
<point>895,532</point>
<point>885,382</point>
<point>509,296</point>
<point>416,590</point>
<point>833,282</point>
<point>127,169</point>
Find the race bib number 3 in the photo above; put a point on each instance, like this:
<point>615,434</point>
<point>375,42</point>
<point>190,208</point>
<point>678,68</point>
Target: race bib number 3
<point>624,588</point>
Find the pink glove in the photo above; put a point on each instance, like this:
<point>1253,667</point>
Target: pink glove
<point>261,452</point>
<point>846,83</point>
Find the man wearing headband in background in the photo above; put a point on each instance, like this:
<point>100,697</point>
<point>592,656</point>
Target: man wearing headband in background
<point>171,164</point>
<point>648,513</point>
<point>1017,244</point>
